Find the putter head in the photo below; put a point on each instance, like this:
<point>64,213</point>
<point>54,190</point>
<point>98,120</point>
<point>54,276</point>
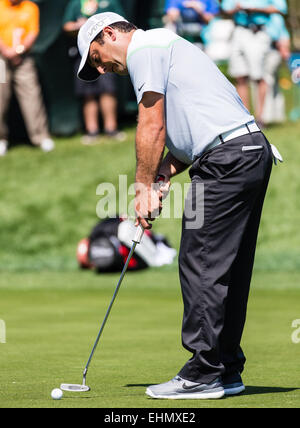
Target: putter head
<point>74,387</point>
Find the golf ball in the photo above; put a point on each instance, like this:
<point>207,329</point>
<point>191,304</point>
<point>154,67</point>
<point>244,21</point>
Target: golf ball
<point>57,394</point>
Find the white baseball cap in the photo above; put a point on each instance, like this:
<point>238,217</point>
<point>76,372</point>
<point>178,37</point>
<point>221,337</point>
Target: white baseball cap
<point>87,33</point>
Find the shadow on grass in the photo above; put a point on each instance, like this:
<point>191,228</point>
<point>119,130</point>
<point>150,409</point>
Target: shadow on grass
<point>252,390</point>
<point>133,385</point>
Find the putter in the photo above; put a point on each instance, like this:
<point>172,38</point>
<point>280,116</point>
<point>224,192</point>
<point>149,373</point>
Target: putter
<point>83,388</point>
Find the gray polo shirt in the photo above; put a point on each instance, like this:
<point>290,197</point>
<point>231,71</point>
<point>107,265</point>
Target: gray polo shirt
<point>200,102</point>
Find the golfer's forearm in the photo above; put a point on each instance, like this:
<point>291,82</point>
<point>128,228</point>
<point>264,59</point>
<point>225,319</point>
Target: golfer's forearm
<point>150,137</point>
<point>150,144</point>
<point>171,166</point>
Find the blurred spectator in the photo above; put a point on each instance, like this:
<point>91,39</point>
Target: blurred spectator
<point>102,94</point>
<point>294,66</point>
<point>274,107</point>
<point>251,44</point>
<point>19,28</point>
<point>191,19</point>
<point>218,40</point>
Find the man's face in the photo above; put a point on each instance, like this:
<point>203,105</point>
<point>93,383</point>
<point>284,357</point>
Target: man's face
<point>107,57</point>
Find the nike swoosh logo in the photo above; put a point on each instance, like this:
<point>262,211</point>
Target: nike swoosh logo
<point>139,89</point>
<point>186,387</point>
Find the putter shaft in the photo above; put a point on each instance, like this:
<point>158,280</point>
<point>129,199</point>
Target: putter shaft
<point>135,242</point>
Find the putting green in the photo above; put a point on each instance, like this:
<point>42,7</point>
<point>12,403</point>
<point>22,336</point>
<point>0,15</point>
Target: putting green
<point>52,320</point>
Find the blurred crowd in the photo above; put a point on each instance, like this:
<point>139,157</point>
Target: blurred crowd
<point>19,29</point>
<point>254,39</point>
<point>248,36</point>
<point>100,96</point>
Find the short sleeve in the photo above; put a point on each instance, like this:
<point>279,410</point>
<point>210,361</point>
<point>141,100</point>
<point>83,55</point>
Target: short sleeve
<point>34,21</point>
<point>213,7</point>
<point>281,5</point>
<point>72,12</point>
<point>148,70</point>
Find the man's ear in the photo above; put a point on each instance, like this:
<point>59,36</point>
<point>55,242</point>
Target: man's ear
<point>110,33</point>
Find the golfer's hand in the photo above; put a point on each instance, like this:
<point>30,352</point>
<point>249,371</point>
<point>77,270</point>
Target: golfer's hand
<point>148,205</point>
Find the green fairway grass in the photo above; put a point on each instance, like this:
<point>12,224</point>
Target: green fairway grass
<point>53,311</point>
<point>52,320</point>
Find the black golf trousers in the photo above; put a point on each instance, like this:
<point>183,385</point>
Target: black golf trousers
<point>216,257</point>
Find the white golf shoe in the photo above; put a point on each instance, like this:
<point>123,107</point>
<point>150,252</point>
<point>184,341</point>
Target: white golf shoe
<point>179,388</point>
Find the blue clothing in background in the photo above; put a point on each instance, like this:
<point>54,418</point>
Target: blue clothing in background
<point>245,19</point>
<point>276,28</point>
<point>190,15</point>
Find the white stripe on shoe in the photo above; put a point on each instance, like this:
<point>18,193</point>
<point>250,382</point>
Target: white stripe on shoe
<point>205,395</point>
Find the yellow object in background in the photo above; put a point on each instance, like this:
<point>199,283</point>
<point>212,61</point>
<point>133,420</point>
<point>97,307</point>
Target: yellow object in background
<point>16,22</point>
<point>285,83</point>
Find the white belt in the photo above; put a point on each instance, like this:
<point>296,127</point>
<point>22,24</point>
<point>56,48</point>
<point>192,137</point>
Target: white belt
<point>234,133</point>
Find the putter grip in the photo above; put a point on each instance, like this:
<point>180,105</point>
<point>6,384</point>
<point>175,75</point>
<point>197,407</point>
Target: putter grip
<point>139,234</point>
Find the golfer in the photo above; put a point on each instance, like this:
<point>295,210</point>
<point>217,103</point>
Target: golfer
<point>187,105</point>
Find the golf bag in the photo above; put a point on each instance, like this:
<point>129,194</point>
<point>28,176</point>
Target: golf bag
<point>109,243</point>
